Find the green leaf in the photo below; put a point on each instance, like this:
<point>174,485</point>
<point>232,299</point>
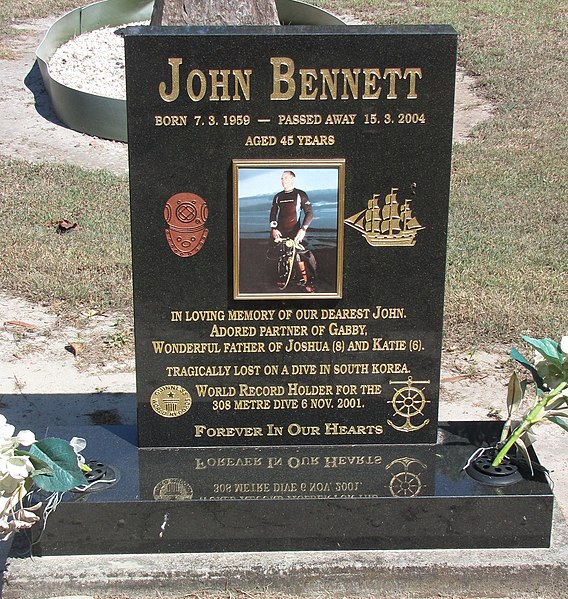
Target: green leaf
<point>59,456</point>
<point>514,394</point>
<point>557,420</point>
<point>557,413</point>
<point>505,430</point>
<point>529,437</point>
<point>525,452</point>
<point>548,348</point>
<point>556,403</point>
<point>40,467</point>
<point>518,356</point>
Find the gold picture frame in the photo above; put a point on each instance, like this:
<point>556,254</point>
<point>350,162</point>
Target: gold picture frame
<point>288,241</point>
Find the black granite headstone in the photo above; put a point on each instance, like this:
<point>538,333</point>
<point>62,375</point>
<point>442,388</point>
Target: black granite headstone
<point>289,197</point>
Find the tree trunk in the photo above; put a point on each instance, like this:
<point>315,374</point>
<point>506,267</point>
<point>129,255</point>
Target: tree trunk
<point>214,12</point>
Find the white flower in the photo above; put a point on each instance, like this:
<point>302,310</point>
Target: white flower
<point>564,344</point>
<point>7,440</point>
<point>19,466</point>
<point>24,519</point>
<point>26,438</point>
<point>6,430</point>
<point>78,444</point>
<point>16,469</point>
<point>16,520</point>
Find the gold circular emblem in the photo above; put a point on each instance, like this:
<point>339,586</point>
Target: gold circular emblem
<point>170,401</point>
<point>173,489</point>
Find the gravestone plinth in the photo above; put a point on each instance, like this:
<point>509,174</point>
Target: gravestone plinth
<point>296,498</point>
<point>289,197</point>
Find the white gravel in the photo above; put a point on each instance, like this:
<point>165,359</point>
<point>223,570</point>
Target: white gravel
<point>93,63</point>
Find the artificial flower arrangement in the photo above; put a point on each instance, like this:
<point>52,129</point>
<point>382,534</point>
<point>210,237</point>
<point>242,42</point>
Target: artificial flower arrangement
<point>53,465</point>
<point>549,370</point>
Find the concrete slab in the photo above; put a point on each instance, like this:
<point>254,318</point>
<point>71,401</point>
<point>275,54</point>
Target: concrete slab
<point>533,574</point>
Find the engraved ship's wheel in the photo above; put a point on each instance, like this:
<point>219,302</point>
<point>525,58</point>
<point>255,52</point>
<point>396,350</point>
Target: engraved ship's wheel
<point>408,402</point>
<point>405,483</point>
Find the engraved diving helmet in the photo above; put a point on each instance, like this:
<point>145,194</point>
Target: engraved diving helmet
<point>186,214</point>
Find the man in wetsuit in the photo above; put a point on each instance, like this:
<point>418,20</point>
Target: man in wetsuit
<point>285,215</point>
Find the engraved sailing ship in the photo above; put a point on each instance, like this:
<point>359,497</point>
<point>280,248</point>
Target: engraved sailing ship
<point>391,224</point>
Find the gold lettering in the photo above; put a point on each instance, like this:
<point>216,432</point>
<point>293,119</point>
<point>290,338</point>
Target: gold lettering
<point>353,85</point>
<point>196,97</point>
<point>345,313</point>
<point>252,404</point>
<point>161,347</point>
<point>251,314</point>
<point>347,329</point>
<point>173,95</point>
<point>382,312</point>
<point>242,81</point>
<point>243,347</point>
<point>351,80</point>
<point>371,389</point>
<point>261,140</point>
<point>335,428</point>
<point>380,344</point>
<point>221,84</point>
<point>392,74</point>
<point>372,89</point>
<point>279,77</point>
<point>412,73</point>
<point>396,368</point>
<point>191,371</point>
<point>307,77</point>
<point>221,431</point>
<point>296,429</point>
<point>261,391</point>
<point>307,390</point>
<point>222,331</point>
<point>329,80</point>
<point>170,121</point>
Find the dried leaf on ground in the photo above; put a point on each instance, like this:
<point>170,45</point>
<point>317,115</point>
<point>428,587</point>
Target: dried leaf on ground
<point>20,324</point>
<point>74,348</point>
<point>455,379</point>
<point>65,226</point>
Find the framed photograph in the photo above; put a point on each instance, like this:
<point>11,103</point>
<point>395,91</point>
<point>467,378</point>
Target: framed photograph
<point>288,229</point>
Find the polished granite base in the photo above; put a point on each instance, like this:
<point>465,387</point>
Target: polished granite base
<point>294,498</point>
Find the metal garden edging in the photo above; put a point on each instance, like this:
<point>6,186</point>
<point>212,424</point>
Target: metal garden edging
<point>103,116</point>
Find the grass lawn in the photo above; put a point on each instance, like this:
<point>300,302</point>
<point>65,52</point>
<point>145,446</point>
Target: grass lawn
<point>12,10</point>
<point>507,252</point>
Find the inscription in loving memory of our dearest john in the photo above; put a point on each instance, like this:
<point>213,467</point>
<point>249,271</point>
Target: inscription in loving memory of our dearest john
<point>273,339</point>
